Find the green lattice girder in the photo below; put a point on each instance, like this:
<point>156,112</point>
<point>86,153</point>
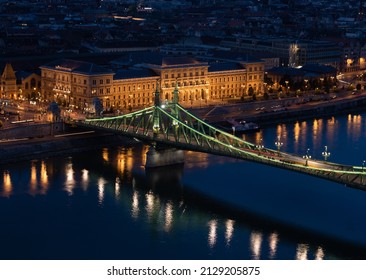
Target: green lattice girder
<point>174,126</point>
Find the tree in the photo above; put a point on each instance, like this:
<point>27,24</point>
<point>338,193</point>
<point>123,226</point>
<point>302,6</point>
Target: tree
<point>98,106</point>
<point>250,91</point>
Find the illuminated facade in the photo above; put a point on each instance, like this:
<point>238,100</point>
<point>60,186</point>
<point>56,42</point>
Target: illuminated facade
<point>76,83</point>
<point>20,84</point>
<point>8,82</point>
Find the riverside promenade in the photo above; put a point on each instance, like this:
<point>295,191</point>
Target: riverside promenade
<point>272,111</point>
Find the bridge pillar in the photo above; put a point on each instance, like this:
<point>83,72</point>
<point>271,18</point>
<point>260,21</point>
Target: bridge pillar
<point>163,157</point>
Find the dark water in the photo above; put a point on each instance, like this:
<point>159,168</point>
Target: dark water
<point>103,205</point>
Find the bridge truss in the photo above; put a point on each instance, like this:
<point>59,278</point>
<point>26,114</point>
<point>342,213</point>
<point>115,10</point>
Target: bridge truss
<point>170,125</point>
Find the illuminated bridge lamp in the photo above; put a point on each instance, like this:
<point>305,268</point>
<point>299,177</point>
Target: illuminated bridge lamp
<point>325,154</point>
<point>260,146</point>
<point>307,157</point>
<point>278,143</point>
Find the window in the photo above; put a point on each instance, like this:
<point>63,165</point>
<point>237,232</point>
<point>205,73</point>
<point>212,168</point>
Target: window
<point>108,90</point>
<point>94,82</point>
<point>101,82</point>
<point>100,91</point>
<point>108,81</point>
<point>84,82</point>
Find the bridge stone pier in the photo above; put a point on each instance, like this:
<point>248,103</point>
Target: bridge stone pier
<point>163,157</point>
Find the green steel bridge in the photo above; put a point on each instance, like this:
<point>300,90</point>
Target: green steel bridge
<point>170,125</point>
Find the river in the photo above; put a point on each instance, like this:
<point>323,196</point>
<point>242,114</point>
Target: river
<point>102,204</point>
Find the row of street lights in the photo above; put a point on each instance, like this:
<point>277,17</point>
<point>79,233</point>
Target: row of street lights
<point>278,143</point>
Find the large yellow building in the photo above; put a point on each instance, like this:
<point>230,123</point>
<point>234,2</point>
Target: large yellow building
<point>77,83</point>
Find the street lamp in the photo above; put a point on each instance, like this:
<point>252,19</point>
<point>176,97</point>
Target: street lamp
<point>307,157</point>
<point>306,85</point>
<point>287,87</point>
<point>278,143</point>
<point>325,154</point>
<point>260,145</point>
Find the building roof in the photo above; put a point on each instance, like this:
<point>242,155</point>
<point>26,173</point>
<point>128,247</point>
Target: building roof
<point>224,66</point>
<point>288,71</point>
<point>8,73</point>
<point>319,68</point>
<point>75,66</point>
<point>155,58</point>
<point>134,73</point>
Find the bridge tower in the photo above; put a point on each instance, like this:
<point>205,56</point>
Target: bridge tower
<point>156,116</point>
<point>158,156</point>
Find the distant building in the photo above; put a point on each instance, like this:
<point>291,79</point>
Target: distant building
<point>291,52</point>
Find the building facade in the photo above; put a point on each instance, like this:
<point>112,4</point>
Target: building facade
<point>76,84</point>
<point>19,85</point>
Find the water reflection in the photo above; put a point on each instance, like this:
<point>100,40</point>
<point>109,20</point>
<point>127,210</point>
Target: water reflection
<point>150,204</point>
<point>212,233</point>
<point>354,127</point>
<point>273,242</point>
<point>8,188</point>
<point>33,179</point>
<point>319,254</point>
<point>169,211</point>
<point>105,154</point>
<point>117,188</point>
<point>135,210</point>
<point>84,179</point>
<point>302,252</point>
<point>229,225</point>
<point>101,184</point>
<point>44,177</point>
<point>70,180</point>
<point>157,198</point>
<point>256,244</point>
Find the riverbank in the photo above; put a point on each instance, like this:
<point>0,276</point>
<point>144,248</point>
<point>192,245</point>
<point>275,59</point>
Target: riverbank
<point>286,110</point>
<point>60,144</point>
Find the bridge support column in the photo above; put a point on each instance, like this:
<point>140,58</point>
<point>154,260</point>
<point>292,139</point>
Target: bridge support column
<point>163,157</point>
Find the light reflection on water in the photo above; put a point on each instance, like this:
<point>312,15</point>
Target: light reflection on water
<point>273,242</point>
<point>113,177</point>
<point>302,252</point>
<point>7,185</point>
